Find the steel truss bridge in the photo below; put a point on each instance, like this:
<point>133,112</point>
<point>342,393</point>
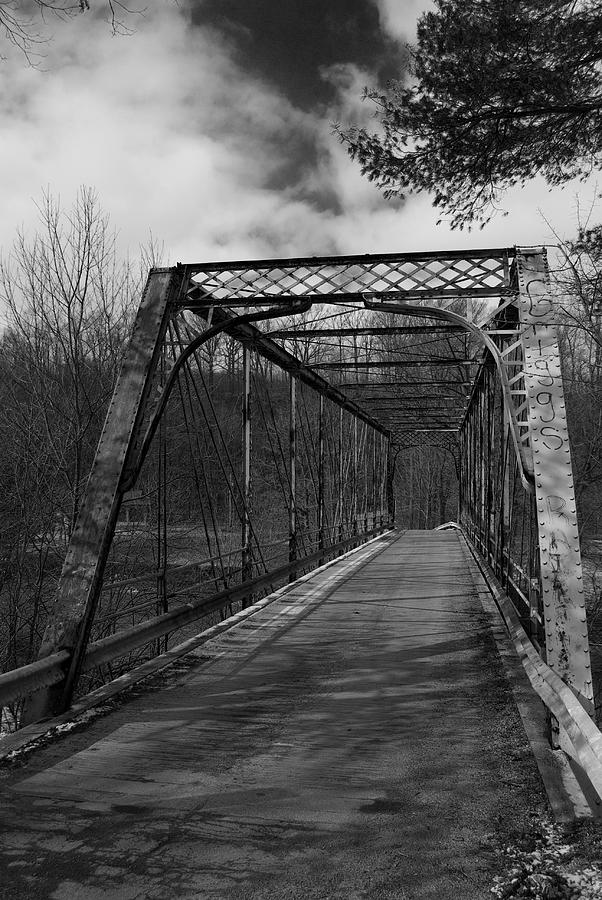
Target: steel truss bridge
<point>256,430</point>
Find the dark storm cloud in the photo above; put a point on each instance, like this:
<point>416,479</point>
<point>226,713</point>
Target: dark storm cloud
<point>299,48</point>
<point>300,155</point>
<point>290,43</point>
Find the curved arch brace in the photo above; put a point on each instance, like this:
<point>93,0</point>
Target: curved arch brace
<point>433,312</point>
<point>272,313</point>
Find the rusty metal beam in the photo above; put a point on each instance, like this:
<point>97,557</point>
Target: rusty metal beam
<point>81,578</point>
<point>352,259</point>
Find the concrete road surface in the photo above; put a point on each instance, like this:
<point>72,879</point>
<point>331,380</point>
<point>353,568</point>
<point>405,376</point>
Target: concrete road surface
<point>355,739</point>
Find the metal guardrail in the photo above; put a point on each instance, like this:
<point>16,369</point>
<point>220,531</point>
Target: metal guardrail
<point>25,680</point>
<point>171,570</point>
<point>584,737</point>
<point>36,675</point>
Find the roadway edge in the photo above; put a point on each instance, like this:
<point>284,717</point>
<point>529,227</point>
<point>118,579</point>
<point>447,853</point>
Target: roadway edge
<point>567,799</point>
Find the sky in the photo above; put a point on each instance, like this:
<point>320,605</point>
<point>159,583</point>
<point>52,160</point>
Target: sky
<point>209,127</point>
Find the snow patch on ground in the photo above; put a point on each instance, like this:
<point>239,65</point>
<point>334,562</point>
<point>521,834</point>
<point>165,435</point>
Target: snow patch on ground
<point>19,756</point>
<point>546,864</point>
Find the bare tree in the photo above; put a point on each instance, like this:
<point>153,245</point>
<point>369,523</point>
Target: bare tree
<point>577,280</point>
<point>25,25</point>
<point>68,301</point>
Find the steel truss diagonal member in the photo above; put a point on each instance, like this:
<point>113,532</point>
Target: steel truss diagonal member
<point>82,571</point>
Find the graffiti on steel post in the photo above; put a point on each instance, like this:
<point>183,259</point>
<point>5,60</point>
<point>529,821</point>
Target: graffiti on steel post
<point>567,647</point>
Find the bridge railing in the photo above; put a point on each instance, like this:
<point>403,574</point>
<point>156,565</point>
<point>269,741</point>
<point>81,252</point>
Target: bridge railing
<point>26,680</point>
<point>498,510</point>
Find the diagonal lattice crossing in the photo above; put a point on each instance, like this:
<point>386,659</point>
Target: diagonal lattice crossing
<point>423,275</point>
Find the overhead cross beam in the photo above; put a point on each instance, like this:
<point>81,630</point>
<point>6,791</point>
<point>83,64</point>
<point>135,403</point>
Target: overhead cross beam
<point>394,363</point>
<point>360,385</point>
<point>303,333</point>
<point>341,279</point>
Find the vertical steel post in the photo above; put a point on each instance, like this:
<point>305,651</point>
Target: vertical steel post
<point>354,481</point>
<point>365,479</point>
<point>246,465</point>
<point>340,473</point>
<point>567,647</point>
<point>462,486</point>
<point>390,469</point>
<point>374,491</point>
<point>162,604</point>
<point>501,476</point>
<point>379,475</point>
<point>410,506</point>
<point>321,518</point>
<point>506,511</point>
<point>483,472</point>
<point>292,443</point>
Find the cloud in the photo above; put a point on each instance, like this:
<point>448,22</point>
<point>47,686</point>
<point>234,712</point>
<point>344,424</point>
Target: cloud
<point>398,17</point>
<point>172,134</point>
<point>181,141</point>
<point>288,43</point>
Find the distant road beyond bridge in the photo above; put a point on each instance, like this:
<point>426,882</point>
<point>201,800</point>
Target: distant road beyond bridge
<point>356,737</point>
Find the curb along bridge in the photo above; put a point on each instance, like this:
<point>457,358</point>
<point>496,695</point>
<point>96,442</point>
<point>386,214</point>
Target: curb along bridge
<point>240,517</point>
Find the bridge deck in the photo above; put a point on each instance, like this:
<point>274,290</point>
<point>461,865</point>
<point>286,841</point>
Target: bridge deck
<point>356,738</point>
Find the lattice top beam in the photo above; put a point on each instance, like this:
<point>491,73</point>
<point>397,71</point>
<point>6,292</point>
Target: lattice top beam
<point>481,273</point>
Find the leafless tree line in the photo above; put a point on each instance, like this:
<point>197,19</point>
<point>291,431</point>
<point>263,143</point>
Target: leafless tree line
<point>67,302</point>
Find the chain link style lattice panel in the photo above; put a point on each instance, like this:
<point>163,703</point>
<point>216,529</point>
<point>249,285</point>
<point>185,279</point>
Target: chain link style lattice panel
<point>453,273</point>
